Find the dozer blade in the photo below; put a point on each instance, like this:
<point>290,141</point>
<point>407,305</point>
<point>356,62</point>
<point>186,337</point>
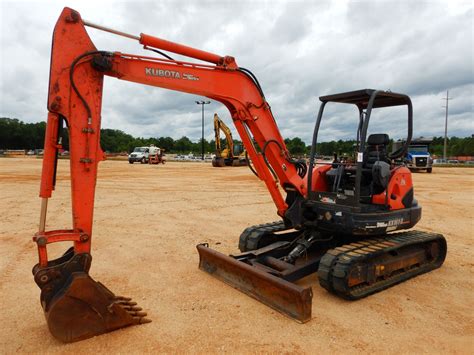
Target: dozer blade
<point>76,307</point>
<point>284,296</point>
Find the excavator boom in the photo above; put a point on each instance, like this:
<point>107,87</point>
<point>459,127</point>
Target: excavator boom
<point>77,70</point>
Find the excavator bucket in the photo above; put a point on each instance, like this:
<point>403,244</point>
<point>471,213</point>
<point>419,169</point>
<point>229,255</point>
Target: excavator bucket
<point>247,273</point>
<point>76,307</point>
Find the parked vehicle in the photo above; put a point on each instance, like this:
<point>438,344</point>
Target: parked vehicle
<point>139,154</point>
<point>418,156</point>
<point>156,155</point>
<point>232,154</point>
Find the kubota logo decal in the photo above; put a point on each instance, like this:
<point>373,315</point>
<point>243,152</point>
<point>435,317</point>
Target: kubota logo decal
<point>172,74</point>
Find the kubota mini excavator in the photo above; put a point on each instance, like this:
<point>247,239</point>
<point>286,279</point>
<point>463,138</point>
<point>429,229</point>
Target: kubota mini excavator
<point>227,156</point>
<point>334,218</point>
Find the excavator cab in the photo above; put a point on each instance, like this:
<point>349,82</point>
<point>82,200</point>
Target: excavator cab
<point>372,187</point>
<point>339,229</point>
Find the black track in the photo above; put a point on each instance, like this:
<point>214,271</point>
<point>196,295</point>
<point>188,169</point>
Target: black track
<point>337,264</point>
<point>260,235</point>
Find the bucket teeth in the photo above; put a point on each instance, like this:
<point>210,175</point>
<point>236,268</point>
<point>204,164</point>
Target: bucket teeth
<point>141,320</point>
<point>137,313</point>
<point>128,306</point>
<point>125,304</point>
<point>121,298</point>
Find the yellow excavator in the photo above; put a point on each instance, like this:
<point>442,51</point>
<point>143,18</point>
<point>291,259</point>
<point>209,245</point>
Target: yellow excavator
<point>232,154</point>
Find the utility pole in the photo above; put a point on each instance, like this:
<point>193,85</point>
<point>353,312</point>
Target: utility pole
<point>447,98</point>
<point>202,103</point>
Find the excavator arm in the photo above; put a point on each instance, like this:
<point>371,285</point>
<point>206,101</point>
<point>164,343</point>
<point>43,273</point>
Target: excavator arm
<point>217,135</point>
<point>76,306</point>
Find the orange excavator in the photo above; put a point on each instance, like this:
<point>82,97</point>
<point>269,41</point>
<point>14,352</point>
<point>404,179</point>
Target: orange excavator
<point>335,219</point>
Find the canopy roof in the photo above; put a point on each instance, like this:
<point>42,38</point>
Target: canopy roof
<point>361,98</point>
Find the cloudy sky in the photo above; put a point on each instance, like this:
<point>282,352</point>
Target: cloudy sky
<point>299,50</point>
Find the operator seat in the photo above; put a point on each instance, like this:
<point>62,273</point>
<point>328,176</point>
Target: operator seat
<point>376,165</point>
<point>376,150</point>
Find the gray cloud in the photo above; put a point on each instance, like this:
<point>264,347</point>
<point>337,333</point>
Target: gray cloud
<point>299,50</point>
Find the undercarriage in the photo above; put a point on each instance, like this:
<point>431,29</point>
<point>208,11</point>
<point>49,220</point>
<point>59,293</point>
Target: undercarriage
<point>351,270</point>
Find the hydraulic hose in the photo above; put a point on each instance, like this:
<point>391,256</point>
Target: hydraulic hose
<point>73,84</point>
<point>300,165</point>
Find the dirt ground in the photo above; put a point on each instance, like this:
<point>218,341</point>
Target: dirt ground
<point>147,222</point>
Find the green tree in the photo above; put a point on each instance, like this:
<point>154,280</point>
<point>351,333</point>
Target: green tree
<point>183,145</point>
<point>295,145</point>
<point>113,140</point>
<point>15,134</point>
<point>167,143</point>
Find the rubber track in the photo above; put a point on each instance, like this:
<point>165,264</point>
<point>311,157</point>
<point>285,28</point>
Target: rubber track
<point>336,264</point>
<point>250,237</point>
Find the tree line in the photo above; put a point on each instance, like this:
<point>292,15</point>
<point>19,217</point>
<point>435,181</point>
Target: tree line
<point>15,134</point>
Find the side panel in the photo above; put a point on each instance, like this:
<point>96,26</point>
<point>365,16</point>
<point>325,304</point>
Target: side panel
<point>319,178</point>
<point>400,184</point>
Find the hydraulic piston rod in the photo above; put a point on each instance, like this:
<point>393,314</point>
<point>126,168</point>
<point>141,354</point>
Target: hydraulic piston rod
<point>156,42</point>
